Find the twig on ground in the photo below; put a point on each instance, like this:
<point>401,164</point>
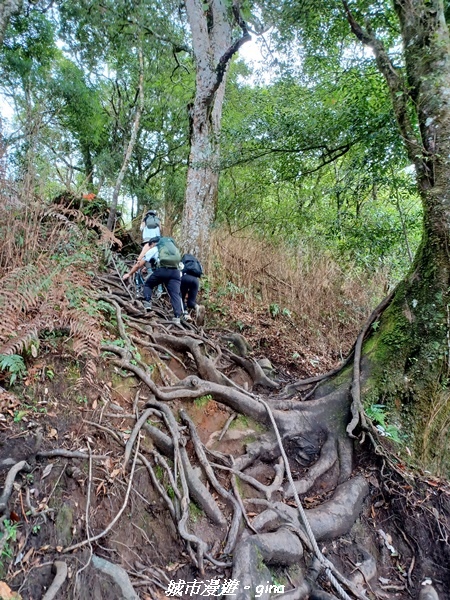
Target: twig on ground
<point>226,426</point>
<point>70,454</point>
<point>86,516</point>
<point>116,518</point>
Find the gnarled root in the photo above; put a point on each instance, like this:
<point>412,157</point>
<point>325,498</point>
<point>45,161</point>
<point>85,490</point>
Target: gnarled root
<point>60,577</point>
<point>330,520</point>
<point>280,548</point>
<point>9,482</point>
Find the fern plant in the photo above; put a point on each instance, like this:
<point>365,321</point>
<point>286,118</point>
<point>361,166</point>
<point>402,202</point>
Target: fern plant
<point>46,283</point>
<point>14,365</point>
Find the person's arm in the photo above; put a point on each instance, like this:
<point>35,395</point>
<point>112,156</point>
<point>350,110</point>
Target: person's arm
<point>144,251</point>
<point>139,264</point>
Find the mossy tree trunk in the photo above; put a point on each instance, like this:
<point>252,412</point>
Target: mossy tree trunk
<point>408,355</point>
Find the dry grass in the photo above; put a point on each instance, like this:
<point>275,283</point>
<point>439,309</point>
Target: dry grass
<point>46,256</point>
<point>300,293</point>
<point>436,433</point>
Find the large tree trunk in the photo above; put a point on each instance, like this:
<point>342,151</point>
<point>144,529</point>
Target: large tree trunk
<point>213,48</point>
<point>7,9</point>
<point>408,356</point>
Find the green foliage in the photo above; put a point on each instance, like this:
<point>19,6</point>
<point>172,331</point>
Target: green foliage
<point>14,365</point>
<point>202,401</point>
<point>378,414</point>
<point>8,534</point>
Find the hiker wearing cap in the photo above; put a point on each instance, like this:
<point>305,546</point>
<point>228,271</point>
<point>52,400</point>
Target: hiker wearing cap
<point>163,256</point>
<point>150,226</point>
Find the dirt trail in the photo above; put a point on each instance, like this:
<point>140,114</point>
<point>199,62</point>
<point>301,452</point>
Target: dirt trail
<point>181,476</point>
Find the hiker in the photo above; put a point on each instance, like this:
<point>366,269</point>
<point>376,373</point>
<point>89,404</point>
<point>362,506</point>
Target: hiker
<point>150,226</point>
<point>190,283</point>
<point>163,257</point>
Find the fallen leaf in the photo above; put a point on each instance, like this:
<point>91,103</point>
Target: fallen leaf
<point>47,471</point>
<point>28,555</point>
<point>53,433</point>
<point>6,593</point>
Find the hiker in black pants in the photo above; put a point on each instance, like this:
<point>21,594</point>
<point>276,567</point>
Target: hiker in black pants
<point>190,283</point>
<point>169,276</point>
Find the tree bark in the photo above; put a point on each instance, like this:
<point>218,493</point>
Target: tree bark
<point>7,9</point>
<point>213,48</point>
<point>409,353</point>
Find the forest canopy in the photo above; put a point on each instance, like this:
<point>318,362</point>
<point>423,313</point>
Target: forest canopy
<point>318,126</point>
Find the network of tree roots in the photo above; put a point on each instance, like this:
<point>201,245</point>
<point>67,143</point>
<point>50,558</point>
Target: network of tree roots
<point>213,467</point>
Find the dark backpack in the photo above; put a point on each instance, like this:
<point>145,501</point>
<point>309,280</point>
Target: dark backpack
<point>151,220</point>
<point>169,255</point>
<point>192,265</point>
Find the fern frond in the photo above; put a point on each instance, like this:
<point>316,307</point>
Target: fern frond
<point>90,222</point>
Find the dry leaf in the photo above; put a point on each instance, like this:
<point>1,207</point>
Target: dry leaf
<point>47,471</point>
<point>53,433</point>
<point>27,556</point>
<point>6,593</point>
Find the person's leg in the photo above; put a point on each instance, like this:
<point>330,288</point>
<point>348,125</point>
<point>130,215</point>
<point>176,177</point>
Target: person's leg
<point>150,283</point>
<point>193,283</point>
<point>184,289</point>
<point>173,280</point>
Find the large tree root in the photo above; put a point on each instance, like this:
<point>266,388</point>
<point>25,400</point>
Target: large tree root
<point>313,432</point>
<point>118,575</point>
<point>60,578</point>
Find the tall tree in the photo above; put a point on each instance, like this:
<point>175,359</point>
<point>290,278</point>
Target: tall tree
<point>212,25</point>
<point>406,360</point>
<point>7,9</point>
<point>130,145</point>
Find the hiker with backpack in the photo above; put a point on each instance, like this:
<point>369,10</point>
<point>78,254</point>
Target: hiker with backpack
<point>190,283</point>
<point>164,258</point>
<point>150,226</point>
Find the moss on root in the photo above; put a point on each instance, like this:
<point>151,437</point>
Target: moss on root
<point>407,364</point>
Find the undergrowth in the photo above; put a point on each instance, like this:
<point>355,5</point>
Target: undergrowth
<point>306,303</point>
<point>48,257</point>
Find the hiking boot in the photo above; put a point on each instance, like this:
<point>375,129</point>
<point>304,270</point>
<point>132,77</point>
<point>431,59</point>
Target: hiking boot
<point>147,305</point>
<point>186,316</point>
<point>176,320</point>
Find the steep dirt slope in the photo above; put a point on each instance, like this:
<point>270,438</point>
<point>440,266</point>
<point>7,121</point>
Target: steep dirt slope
<point>180,472</point>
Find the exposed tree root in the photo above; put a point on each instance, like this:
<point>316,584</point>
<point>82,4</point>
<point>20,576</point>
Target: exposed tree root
<point>9,482</point>
<point>119,576</point>
<point>312,435</point>
<point>60,577</point>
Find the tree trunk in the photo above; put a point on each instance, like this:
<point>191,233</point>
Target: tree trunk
<point>409,353</point>
<point>130,146</point>
<point>213,48</point>
<point>7,9</point>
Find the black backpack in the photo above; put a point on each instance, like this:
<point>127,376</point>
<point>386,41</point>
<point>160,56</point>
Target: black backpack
<point>192,265</point>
